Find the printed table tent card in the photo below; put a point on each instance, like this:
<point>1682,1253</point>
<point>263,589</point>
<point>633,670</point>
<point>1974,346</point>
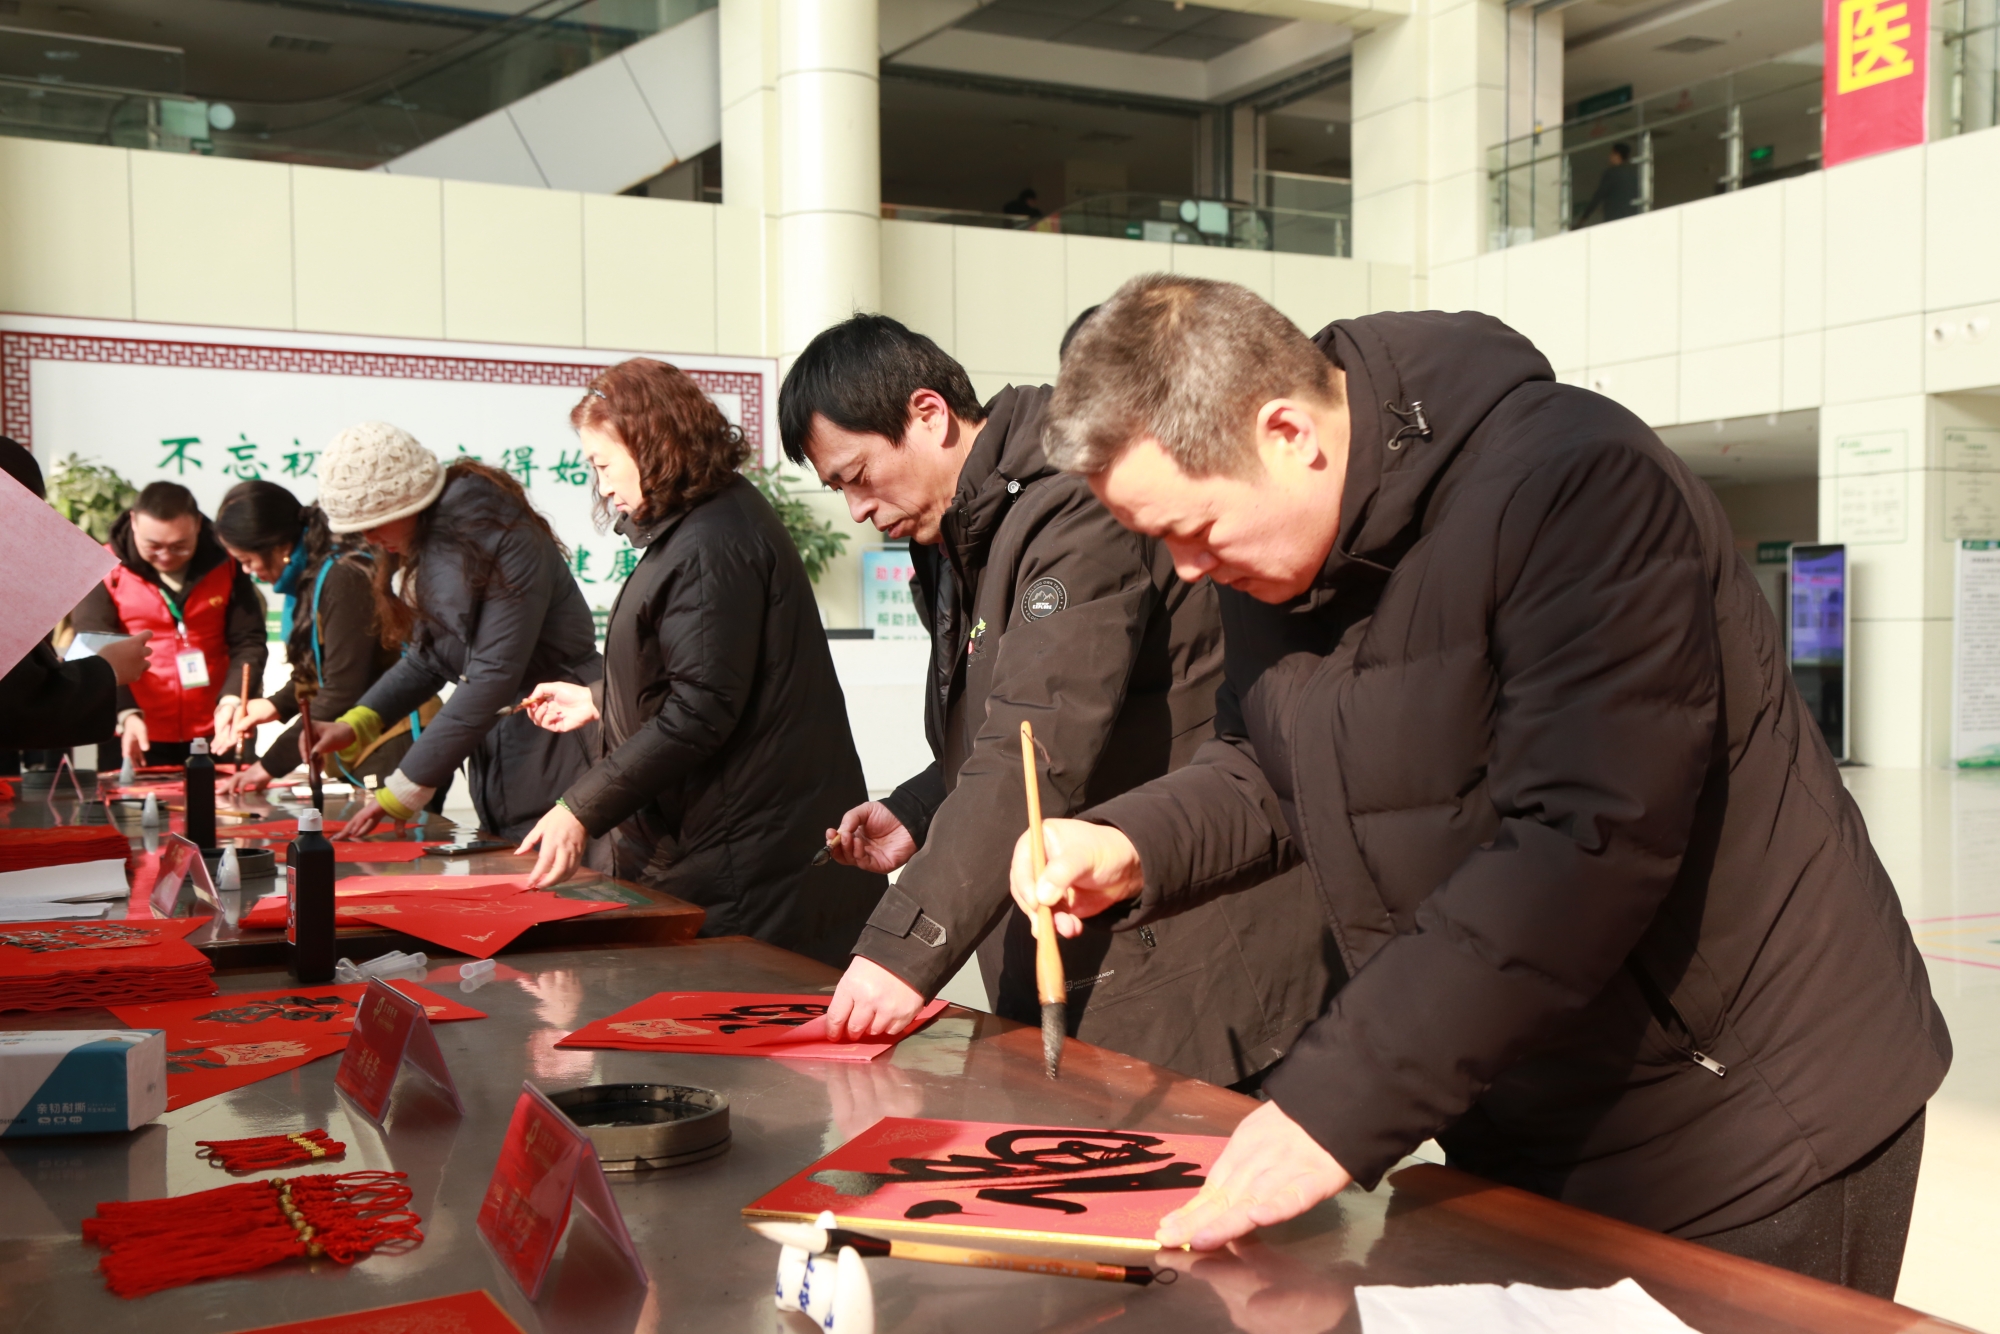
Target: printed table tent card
<point>225,1042</point>
<point>181,866</point>
<point>546,1164</point>
<point>733,1023</point>
<point>390,1030</point>
<point>980,1179</point>
<point>461,1313</point>
<point>60,965</point>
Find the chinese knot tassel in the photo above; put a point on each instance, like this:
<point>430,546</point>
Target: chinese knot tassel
<point>152,1245</point>
<point>260,1153</point>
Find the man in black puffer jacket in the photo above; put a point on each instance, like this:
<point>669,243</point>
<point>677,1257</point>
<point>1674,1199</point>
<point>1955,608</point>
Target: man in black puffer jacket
<point>1496,673</point>
<point>1039,607</point>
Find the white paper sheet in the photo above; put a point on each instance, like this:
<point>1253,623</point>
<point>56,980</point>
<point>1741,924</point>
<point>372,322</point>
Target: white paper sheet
<point>50,565</point>
<point>52,912</point>
<point>75,883</point>
<point>1518,1308</point>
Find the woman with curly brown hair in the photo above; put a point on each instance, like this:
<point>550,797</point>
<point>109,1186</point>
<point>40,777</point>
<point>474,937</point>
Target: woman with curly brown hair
<point>724,748</point>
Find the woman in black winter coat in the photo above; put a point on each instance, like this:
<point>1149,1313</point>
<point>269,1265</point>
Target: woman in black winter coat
<point>332,643</point>
<point>724,750</point>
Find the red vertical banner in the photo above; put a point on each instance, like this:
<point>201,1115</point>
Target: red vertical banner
<point>1877,76</point>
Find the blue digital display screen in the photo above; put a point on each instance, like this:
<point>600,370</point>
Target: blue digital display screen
<point>1818,597</point>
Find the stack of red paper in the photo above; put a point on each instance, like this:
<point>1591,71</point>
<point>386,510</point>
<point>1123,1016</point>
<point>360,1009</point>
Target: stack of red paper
<point>65,845</point>
<point>479,915</point>
<point>59,965</point>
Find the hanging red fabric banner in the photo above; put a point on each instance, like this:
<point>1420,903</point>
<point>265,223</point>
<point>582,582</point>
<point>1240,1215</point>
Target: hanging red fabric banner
<point>1877,76</point>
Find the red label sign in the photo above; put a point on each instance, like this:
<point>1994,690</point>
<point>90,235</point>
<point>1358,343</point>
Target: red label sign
<point>546,1164</point>
<point>389,1029</point>
<point>1877,76</point>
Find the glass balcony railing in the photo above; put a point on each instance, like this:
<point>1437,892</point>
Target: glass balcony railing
<point>94,98</point>
<point>1183,221</point>
<point>1747,128</point>
<point>1972,57</point>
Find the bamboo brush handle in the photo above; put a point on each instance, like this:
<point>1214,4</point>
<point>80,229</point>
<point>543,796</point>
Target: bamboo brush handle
<point>1024,1264</point>
<point>1048,955</point>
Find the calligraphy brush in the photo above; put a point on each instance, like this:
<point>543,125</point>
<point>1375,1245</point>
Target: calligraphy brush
<point>303,694</point>
<point>818,1239</point>
<point>243,740</point>
<point>513,709</point>
<point>825,854</point>
<point>1048,954</point>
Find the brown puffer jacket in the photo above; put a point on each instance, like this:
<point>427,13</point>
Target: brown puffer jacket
<point>1041,607</point>
<point>1615,929</point>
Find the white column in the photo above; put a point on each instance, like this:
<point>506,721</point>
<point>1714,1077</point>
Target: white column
<point>750,157</point>
<point>1429,101</point>
<point>830,173</point>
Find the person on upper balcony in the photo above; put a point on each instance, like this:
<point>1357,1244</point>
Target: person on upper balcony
<point>1618,189</point>
<point>174,579</point>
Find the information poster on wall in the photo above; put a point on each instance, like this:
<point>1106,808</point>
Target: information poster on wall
<point>1975,696</point>
<point>210,407</point>
<point>1972,484</point>
<point>1871,490</point>
<point>887,607</point>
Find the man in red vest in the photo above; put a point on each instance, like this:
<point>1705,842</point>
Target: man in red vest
<point>174,578</point>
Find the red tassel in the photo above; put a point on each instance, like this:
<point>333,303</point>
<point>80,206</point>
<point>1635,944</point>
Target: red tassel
<point>152,1245</point>
<point>260,1153</point>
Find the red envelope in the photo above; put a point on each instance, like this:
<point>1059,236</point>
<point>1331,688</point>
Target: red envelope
<point>225,1042</point>
<point>462,1313</point>
<point>733,1023</point>
<point>1023,1182</point>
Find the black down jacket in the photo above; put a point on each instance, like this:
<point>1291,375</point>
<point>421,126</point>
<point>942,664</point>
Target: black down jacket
<point>726,750</point>
<point>1041,607</point>
<point>1615,929</point>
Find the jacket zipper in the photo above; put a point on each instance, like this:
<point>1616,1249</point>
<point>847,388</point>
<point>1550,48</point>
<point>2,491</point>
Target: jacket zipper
<point>1670,1019</point>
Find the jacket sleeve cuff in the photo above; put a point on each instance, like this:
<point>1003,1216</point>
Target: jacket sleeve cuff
<point>904,939</point>
<point>916,801</point>
<point>367,725</point>
<point>401,798</point>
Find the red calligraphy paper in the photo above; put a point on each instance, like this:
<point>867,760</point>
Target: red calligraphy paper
<point>58,965</point>
<point>546,1164</point>
<point>480,928</point>
<point>733,1023</point>
<point>225,1042</point>
<point>390,1030</point>
<point>1877,80</point>
<point>268,914</point>
<point>982,1179</point>
<point>462,1313</point>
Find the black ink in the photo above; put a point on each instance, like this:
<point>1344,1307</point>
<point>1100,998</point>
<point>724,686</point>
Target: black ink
<point>297,1009</point>
<point>787,1014</point>
<point>932,1208</point>
<point>1050,1163</point>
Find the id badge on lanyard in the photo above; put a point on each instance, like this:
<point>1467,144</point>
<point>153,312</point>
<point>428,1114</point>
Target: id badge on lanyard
<point>190,662</point>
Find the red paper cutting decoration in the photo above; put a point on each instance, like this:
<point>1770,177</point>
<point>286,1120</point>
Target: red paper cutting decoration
<point>152,1245</point>
<point>261,1153</point>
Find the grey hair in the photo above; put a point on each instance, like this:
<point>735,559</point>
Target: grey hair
<point>1187,361</point>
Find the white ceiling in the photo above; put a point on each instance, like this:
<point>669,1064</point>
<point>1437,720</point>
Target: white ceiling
<point>1609,43</point>
<point>1780,447</point>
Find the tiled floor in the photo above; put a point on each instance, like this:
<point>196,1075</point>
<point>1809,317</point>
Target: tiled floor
<point>1939,835</point>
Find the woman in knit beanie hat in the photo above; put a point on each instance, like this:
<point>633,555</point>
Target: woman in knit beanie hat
<point>471,583</point>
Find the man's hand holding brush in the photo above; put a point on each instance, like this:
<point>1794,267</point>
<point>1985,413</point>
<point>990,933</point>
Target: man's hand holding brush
<point>1092,867</point>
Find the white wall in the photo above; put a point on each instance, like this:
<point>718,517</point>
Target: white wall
<point>1863,292</point>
